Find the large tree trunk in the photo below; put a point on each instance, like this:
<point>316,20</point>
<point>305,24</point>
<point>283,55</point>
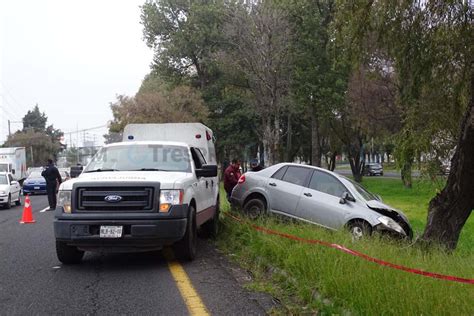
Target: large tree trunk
<point>357,165</point>
<point>315,146</point>
<point>406,174</point>
<point>289,144</point>
<point>449,210</point>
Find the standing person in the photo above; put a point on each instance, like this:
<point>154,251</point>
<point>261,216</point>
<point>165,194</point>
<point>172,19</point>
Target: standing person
<point>255,166</point>
<point>53,180</point>
<point>231,177</point>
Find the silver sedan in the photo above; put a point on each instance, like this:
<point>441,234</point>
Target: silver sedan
<point>317,196</point>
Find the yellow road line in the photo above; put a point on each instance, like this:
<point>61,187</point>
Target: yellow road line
<point>191,297</point>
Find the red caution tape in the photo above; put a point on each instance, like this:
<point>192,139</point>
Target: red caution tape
<point>354,253</point>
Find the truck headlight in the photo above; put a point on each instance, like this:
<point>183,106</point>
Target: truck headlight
<point>169,198</point>
<point>64,200</point>
<point>390,223</point>
<point>3,192</point>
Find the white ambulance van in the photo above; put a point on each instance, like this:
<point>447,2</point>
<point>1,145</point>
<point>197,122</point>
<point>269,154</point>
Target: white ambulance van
<point>154,189</point>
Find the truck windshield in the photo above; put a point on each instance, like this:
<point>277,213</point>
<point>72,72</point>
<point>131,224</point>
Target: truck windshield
<point>3,179</point>
<point>141,158</point>
<point>3,167</point>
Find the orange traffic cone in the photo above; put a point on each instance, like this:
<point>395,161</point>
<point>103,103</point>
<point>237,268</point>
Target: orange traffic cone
<point>27,217</point>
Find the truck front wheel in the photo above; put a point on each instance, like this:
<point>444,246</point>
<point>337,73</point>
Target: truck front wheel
<point>186,247</point>
<point>68,254</point>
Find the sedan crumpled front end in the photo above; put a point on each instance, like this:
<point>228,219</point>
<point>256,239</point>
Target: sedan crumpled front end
<point>391,222</point>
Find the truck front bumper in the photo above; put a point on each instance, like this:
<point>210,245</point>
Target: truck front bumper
<point>143,233</point>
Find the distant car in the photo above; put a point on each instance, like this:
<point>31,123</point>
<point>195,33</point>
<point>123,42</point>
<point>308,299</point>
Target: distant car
<point>373,169</point>
<point>33,169</point>
<point>34,184</point>
<point>10,190</point>
<point>317,196</point>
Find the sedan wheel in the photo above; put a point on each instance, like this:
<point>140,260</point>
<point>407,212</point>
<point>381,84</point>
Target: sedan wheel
<point>360,229</point>
<point>254,208</point>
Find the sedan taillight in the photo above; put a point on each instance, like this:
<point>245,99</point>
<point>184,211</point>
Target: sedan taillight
<point>242,179</point>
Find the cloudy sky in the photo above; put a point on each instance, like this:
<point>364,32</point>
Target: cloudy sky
<point>71,58</point>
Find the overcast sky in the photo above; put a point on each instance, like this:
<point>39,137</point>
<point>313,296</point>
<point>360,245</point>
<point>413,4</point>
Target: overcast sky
<point>70,57</point>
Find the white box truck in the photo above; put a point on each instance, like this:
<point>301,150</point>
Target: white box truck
<point>141,194</point>
<point>13,160</point>
<point>197,134</point>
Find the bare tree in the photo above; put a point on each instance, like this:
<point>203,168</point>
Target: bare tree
<point>258,35</point>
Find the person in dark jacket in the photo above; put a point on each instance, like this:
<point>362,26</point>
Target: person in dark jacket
<point>255,166</point>
<point>231,177</point>
<point>53,180</point>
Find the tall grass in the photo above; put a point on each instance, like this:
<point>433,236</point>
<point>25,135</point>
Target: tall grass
<point>312,278</point>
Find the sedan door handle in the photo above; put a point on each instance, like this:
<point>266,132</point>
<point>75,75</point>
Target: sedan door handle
<point>308,194</point>
<point>273,184</point>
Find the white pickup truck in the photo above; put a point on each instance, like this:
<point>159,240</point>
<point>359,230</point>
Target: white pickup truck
<point>140,196</point>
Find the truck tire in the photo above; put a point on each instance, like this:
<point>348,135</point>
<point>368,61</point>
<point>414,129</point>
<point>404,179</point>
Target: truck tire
<point>18,202</point>
<point>186,247</point>
<point>68,254</point>
<point>211,227</point>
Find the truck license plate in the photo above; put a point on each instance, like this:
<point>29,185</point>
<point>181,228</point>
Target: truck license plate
<point>111,231</point>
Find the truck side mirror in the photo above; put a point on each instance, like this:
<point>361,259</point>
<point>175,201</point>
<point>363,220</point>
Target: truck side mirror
<point>207,171</point>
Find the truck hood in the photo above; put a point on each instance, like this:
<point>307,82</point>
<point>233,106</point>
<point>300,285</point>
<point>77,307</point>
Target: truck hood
<point>166,178</point>
<point>4,187</point>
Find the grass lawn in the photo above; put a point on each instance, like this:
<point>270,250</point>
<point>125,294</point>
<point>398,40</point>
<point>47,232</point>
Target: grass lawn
<point>310,279</point>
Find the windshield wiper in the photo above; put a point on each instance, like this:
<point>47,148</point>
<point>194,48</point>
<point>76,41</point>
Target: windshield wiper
<point>100,170</point>
<point>150,169</point>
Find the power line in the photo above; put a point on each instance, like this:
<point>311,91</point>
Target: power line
<point>11,96</point>
<point>9,109</point>
<point>85,129</point>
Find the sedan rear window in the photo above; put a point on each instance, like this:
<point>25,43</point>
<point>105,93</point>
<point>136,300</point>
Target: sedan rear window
<point>280,173</point>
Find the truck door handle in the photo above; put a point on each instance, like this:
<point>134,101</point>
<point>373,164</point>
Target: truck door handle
<point>308,194</point>
<point>273,184</point>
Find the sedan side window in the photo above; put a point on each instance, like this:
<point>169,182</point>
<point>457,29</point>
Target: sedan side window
<point>280,173</point>
<point>323,182</point>
<point>297,175</point>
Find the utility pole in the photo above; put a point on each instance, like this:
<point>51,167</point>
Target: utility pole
<point>9,126</point>
<point>32,158</point>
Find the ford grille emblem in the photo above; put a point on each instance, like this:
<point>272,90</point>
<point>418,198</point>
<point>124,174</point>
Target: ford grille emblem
<point>113,198</point>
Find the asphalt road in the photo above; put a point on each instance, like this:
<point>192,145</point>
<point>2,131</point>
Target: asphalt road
<point>33,281</point>
<point>386,174</point>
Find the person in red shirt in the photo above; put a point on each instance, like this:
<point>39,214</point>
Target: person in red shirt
<point>231,177</point>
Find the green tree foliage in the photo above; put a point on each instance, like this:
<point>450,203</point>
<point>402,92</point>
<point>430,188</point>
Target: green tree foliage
<point>187,39</point>
<point>181,104</point>
<point>35,120</point>
<point>39,146</point>
<point>184,35</point>
<point>427,44</point>
<point>41,142</point>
